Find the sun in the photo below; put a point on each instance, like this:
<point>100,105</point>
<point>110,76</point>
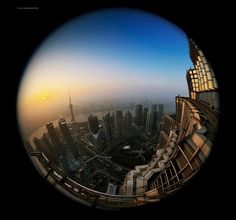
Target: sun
<point>44,98</point>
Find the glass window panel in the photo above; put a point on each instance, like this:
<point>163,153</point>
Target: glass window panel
<point>201,65</point>
<point>212,73</point>
<point>201,53</point>
<point>204,59</point>
<point>207,68</point>
<point>215,83</point>
<point>199,70</point>
<point>203,87</point>
<point>209,75</point>
<point>203,72</point>
<point>210,84</point>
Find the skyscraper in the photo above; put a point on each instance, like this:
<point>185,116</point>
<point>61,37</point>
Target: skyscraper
<point>138,115</point>
<point>65,131</point>
<point>160,114</point>
<point>149,122</point>
<point>107,127</point>
<point>71,109</point>
<point>52,134</point>
<point>201,79</point>
<point>154,116</point>
<point>144,118</point>
<point>45,140</point>
<point>93,124</point>
<point>37,143</point>
<point>29,146</point>
<point>41,146</point>
<point>160,110</point>
<point>113,120</point>
<point>128,121</point>
<point>118,123</point>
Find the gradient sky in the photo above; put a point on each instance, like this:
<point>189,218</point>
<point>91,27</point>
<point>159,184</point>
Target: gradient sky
<point>107,54</point>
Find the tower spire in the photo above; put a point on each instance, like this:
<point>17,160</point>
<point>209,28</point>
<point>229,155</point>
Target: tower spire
<point>71,109</point>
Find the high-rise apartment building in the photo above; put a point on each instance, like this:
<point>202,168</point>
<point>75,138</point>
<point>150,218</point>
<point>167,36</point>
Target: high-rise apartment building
<point>138,115</point>
<point>93,124</point>
<point>118,123</point>
<point>65,131</point>
<point>128,121</point>
<point>107,127</point>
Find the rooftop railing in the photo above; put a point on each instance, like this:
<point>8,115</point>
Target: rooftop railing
<point>81,193</point>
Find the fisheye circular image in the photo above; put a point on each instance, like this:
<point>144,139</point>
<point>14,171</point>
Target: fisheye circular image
<point>118,108</point>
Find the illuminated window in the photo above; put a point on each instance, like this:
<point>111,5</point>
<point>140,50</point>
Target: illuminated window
<point>203,87</point>
<point>209,75</point>
<point>201,65</point>
<point>201,53</point>
<point>210,84</point>
<point>207,67</point>
<point>215,83</point>
<point>197,63</point>
<point>199,58</point>
<point>204,60</point>
<point>203,72</point>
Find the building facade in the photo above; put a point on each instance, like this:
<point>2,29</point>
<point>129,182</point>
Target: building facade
<point>118,123</point>
<point>93,124</point>
<point>128,121</point>
<point>107,127</point>
<point>65,131</point>
<point>201,79</point>
<point>138,115</point>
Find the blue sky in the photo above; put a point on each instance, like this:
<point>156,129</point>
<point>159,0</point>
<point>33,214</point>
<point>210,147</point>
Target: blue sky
<point>140,42</point>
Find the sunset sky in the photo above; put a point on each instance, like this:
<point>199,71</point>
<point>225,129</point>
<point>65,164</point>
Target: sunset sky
<point>115,53</point>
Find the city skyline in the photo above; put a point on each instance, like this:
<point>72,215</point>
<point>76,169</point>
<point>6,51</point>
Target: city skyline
<point>100,112</point>
<point>104,56</point>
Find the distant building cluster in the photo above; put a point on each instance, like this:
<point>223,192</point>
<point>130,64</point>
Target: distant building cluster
<point>89,160</point>
<point>117,125</point>
<point>90,152</point>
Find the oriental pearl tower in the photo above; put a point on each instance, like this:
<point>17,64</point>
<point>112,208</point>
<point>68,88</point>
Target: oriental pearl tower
<point>71,109</point>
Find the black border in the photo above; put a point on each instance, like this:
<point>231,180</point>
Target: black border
<point>206,192</point>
